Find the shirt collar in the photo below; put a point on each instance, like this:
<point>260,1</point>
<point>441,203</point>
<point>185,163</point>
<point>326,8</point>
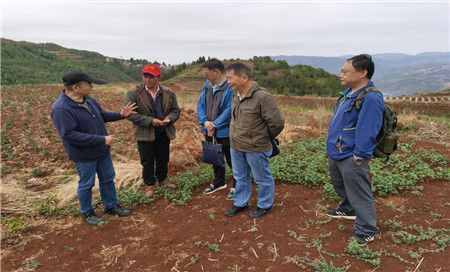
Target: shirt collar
<point>148,90</point>
<point>349,93</point>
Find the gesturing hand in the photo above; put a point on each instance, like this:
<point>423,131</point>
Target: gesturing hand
<point>128,110</point>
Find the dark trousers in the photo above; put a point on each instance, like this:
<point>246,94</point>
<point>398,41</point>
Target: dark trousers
<point>155,159</point>
<point>219,172</point>
<point>352,183</point>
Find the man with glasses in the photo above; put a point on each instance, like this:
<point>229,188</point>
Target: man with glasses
<point>80,121</point>
<point>352,138</point>
<point>154,122</point>
<point>214,116</point>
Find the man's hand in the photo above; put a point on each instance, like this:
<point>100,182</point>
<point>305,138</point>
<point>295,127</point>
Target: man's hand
<point>157,123</point>
<point>211,132</point>
<point>166,121</point>
<point>209,125</point>
<point>128,110</point>
<point>210,128</point>
<point>108,140</point>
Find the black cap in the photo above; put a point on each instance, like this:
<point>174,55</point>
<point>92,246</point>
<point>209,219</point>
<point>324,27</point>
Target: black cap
<point>72,78</point>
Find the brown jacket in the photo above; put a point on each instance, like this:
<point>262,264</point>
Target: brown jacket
<point>143,119</point>
<point>252,117</point>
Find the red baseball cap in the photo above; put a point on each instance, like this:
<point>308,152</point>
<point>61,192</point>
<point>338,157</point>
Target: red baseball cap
<point>152,69</point>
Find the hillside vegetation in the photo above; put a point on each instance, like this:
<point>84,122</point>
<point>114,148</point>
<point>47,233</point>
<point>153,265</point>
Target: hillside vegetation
<point>33,63</point>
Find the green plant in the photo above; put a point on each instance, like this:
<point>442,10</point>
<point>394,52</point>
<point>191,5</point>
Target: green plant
<point>211,216</point>
<point>186,182</point>
<point>213,247</point>
<point>131,197</point>
<point>317,265</point>
<point>324,266</point>
<point>363,253</point>
<point>440,237</point>
<point>31,265</point>
<point>15,225</point>
<point>49,207</point>
<point>393,224</point>
<point>38,172</point>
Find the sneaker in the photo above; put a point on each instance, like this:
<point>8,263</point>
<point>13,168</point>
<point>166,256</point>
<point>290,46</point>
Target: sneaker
<point>364,239</point>
<point>212,189</point>
<point>92,219</point>
<point>259,212</point>
<point>338,213</point>
<point>119,211</point>
<point>231,193</point>
<point>235,210</point>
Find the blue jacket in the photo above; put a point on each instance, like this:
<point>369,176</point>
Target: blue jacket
<point>83,132</point>
<point>352,131</point>
<point>222,122</point>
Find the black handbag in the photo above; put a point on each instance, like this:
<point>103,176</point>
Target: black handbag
<point>213,153</point>
<point>275,148</point>
<point>275,143</point>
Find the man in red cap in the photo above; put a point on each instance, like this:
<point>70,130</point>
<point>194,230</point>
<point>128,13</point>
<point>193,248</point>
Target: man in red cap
<point>154,123</point>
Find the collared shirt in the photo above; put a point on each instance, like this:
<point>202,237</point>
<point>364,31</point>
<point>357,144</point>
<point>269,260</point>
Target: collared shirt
<point>217,86</point>
<point>153,95</point>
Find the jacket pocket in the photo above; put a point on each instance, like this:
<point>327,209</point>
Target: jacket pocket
<point>348,140</point>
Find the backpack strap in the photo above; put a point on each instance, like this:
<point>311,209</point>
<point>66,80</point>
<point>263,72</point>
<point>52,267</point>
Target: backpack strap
<point>357,103</point>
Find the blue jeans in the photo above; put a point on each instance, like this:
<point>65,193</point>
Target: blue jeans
<point>105,170</point>
<point>252,164</point>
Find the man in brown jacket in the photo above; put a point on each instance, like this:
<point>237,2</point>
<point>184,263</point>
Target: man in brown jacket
<point>154,122</point>
<point>255,120</point>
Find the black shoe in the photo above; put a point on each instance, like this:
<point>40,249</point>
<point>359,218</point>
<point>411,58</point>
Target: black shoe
<point>339,213</point>
<point>92,219</point>
<point>235,210</point>
<point>119,211</point>
<point>364,239</point>
<point>259,212</point>
<point>213,188</point>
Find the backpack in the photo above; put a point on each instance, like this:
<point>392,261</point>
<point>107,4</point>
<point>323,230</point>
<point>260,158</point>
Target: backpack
<point>387,138</point>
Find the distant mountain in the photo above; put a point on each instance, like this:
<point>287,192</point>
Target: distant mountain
<point>29,63</point>
<point>395,74</point>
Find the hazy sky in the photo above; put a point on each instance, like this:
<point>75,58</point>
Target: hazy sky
<point>177,31</point>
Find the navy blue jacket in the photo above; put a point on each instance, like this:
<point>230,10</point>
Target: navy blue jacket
<point>222,122</point>
<point>83,132</point>
<point>352,131</point>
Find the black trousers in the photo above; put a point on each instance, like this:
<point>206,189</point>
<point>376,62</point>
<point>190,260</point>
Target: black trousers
<point>219,172</point>
<point>155,159</point>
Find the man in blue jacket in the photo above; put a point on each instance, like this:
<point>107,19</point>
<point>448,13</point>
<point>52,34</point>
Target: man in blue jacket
<point>80,121</point>
<point>352,138</point>
<point>214,116</point>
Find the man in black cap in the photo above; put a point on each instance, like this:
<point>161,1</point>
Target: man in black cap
<point>80,121</point>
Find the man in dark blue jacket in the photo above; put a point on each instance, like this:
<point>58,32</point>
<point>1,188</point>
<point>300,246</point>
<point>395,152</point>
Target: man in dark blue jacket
<point>80,121</point>
<point>214,116</point>
<point>351,141</point>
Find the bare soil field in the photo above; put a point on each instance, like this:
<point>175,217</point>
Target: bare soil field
<point>184,230</point>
